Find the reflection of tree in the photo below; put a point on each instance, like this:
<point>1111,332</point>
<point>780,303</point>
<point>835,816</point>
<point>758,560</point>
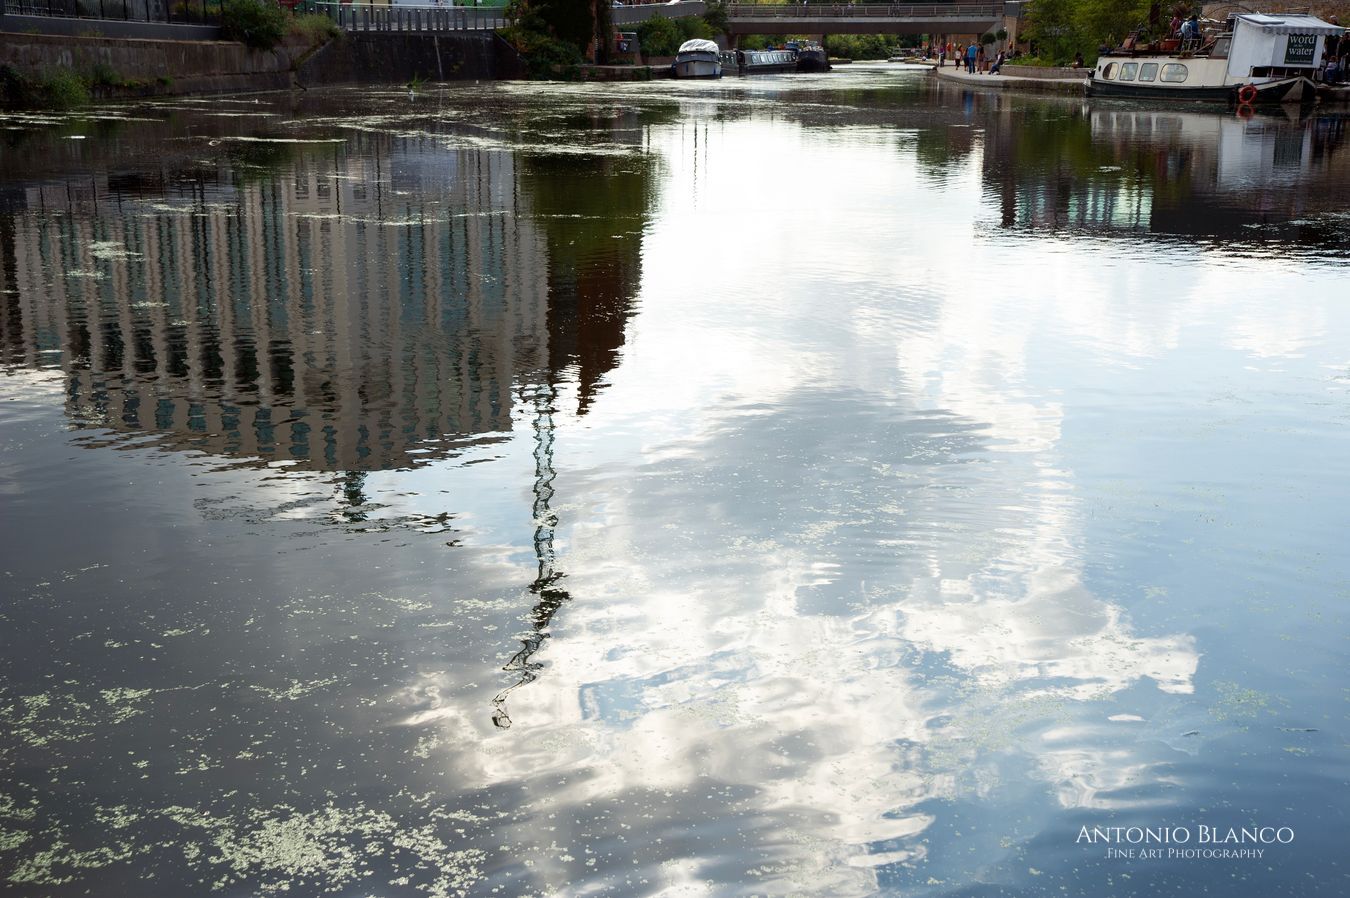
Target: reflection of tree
<point>592,211</point>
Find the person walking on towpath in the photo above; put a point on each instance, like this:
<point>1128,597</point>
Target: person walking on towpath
<point>971,52</point>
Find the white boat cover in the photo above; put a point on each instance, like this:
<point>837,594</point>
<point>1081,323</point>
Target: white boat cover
<point>1290,24</point>
<point>698,45</point>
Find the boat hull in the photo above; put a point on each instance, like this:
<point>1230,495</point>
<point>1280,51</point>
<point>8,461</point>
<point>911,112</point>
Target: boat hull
<point>1288,90</point>
<point>696,68</point>
<point>812,60</point>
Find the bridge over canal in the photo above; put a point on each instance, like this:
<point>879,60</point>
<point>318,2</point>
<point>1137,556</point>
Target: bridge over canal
<point>864,18</point>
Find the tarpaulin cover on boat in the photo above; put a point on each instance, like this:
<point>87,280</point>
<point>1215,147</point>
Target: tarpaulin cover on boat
<point>698,45</point>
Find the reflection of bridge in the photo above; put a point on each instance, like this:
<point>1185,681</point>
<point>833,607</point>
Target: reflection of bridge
<point>864,18</point>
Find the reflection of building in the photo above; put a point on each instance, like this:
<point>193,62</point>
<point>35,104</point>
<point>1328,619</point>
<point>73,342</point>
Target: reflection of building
<point>1162,172</point>
<point>344,313</point>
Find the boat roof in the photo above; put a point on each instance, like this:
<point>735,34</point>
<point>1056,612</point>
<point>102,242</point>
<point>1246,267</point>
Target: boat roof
<point>698,44</point>
<point>1291,23</point>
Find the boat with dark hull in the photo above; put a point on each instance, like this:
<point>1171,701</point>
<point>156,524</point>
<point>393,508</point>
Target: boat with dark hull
<point>792,58</point>
<point>812,59</point>
<point>1256,59</point>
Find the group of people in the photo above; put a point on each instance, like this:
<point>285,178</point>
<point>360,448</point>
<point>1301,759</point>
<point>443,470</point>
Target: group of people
<point>973,56</point>
<point>1336,56</point>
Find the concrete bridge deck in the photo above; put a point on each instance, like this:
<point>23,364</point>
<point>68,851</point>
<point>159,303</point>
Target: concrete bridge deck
<point>864,18</point>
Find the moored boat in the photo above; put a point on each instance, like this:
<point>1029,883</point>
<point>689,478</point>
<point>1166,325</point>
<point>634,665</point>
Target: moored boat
<point>697,58</point>
<point>812,58</point>
<point>760,62</point>
<point>1256,58</point>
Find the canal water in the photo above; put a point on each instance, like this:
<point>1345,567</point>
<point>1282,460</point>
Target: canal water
<point>830,485</point>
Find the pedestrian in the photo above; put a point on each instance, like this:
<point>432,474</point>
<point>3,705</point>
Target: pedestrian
<point>979,60</point>
<point>971,52</point>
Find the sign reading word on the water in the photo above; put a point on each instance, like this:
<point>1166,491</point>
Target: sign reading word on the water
<point>1301,49</point>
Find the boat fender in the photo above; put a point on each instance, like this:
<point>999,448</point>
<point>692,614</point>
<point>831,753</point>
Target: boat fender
<point>1247,93</point>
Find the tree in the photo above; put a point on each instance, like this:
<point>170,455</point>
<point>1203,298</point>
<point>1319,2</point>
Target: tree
<point>659,36</point>
<point>1061,28</point>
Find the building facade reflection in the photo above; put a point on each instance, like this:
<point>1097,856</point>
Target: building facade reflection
<point>313,312</point>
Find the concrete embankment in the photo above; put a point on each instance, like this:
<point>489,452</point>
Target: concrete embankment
<point>136,67</point>
<point>1034,79</point>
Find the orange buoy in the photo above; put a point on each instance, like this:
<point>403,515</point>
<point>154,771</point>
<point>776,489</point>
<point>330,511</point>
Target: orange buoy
<point>1246,94</point>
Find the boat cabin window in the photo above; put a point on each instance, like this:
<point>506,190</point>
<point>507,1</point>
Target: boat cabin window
<point>1174,72</point>
<point>1148,71</point>
<point>1128,70</point>
<point>1220,48</point>
<point>1110,71</point>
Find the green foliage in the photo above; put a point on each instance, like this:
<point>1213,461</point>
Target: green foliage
<point>1060,28</point>
<point>259,24</point>
<point>62,89</point>
<point>987,38</point>
<point>659,37</point>
<point>102,75</point>
<point>546,58</point>
<point>551,35</point>
<point>314,29</point>
<point>858,46</point>
<point>715,14</point>
<point>694,26</point>
<point>568,20</point>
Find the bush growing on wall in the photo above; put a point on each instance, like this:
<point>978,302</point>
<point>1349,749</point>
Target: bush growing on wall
<point>257,23</point>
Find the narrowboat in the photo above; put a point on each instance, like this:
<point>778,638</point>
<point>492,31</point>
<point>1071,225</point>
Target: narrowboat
<point>1255,58</point>
<point>760,62</point>
<point>697,58</point>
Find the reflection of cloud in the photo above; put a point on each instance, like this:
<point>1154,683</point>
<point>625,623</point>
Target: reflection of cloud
<point>1060,633</point>
<point>763,629</point>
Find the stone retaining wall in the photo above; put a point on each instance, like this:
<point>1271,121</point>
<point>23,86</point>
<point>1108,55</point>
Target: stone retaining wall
<point>190,67</point>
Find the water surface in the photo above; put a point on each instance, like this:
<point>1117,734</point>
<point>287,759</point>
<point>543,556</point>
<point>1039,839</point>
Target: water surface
<point>822,485</point>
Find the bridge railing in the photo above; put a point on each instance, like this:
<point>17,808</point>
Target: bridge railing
<point>865,10</point>
<point>177,12</point>
<point>420,18</point>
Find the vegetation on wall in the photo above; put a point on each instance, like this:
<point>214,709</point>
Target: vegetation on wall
<point>53,89</point>
<point>255,23</point>
<point>313,29</point>
<point>546,55</point>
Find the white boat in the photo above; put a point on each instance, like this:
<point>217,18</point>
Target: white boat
<point>1256,58</point>
<point>697,58</point>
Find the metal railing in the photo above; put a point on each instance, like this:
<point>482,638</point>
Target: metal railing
<point>422,18</point>
<point>349,16</point>
<point>174,12</point>
<point>925,11</point>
